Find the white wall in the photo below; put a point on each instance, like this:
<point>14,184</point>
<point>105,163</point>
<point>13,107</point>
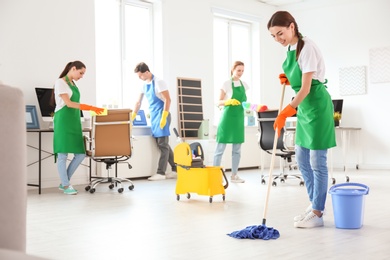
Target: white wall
<point>39,37</point>
<point>345,35</point>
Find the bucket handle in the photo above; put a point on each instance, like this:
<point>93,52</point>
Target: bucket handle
<point>350,184</point>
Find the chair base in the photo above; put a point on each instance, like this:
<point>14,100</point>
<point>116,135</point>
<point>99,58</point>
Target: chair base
<point>282,177</point>
<point>113,181</point>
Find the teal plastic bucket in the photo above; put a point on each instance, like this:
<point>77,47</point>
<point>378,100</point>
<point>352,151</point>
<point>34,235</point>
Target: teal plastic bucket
<point>348,204</point>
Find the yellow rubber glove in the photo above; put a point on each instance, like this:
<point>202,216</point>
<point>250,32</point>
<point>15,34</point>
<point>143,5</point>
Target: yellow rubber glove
<point>133,116</point>
<point>281,119</point>
<point>232,102</point>
<point>97,110</point>
<point>163,120</point>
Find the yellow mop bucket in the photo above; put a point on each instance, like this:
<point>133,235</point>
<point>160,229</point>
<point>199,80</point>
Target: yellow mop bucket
<point>205,180</point>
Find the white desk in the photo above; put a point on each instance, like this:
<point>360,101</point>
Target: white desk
<point>346,133</point>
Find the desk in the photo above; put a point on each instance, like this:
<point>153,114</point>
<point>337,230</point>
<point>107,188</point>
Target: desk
<point>49,154</point>
<point>346,133</point>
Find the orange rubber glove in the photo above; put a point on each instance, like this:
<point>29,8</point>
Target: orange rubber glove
<point>232,102</point>
<point>283,79</point>
<point>281,119</point>
<point>163,120</point>
<point>97,110</point>
<point>133,116</point>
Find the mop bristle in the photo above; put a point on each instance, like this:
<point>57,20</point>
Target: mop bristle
<point>256,232</point>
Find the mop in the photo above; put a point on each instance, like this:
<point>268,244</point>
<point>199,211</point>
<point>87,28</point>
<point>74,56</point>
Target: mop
<point>262,231</point>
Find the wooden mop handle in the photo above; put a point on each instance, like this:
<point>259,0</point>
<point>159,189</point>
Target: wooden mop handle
<point>273,158</point>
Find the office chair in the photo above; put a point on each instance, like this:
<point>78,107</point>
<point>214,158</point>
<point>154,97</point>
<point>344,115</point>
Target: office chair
<point>266,121</point>
<point>110,144</point>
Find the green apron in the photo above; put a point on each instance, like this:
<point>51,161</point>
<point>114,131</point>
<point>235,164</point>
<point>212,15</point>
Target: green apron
<point>68,135</point>
<point>315,124</point>
<point>231,126</point>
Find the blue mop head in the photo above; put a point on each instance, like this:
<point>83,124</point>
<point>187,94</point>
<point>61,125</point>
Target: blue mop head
<point>256,232</point>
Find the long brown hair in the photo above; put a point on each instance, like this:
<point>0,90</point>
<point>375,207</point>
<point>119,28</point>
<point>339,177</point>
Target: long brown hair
<point>284,19</point>
<point>235,64</point>
<point>78,64</point>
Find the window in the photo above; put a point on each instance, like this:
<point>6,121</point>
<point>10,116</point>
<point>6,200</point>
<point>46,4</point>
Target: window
<point>137,46</point>
<point>235,38</point>
<point>124,37</point>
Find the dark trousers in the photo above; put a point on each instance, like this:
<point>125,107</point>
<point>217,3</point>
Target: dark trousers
<point>166,155</point>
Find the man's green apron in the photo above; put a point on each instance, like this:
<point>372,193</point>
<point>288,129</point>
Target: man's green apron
<point>231,127</point>
<point>315,124</point>
<point>68,135</point>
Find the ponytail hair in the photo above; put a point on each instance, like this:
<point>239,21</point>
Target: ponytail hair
<point>78,64</point>
<point>236,63</point>
<point>284,19</point>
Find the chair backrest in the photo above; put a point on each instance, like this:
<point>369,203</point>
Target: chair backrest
<point>111,134</point>
<point>266,121</point>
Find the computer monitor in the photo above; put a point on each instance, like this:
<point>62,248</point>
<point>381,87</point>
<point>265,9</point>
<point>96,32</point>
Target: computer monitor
<point>338,105</point>
<point>47,103</point>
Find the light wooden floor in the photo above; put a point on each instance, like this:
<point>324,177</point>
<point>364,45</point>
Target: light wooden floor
<point>149,223</point>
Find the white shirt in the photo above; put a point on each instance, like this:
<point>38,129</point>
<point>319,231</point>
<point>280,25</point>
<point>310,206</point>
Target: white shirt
<point>159,86</point>
<point>61,87</point>
<point>311,60</point>
<point>227,87</point>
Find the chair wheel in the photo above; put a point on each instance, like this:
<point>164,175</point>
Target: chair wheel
<point>282,180</point>
<point>87,188</point>
<point>274,183</point>
<point>347,179</point>
<point>188,195</point>
<point>223,197</point>
<point>92,190</point>
<point>302,183</point>
<point>111,186</point>
<point>120,190</point>
<point>262,181</point>
<point>211,199</point>
<point>177,197</point>
<point>131,187</point>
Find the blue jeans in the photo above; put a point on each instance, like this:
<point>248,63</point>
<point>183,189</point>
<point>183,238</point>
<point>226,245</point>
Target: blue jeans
<point>66,174</point>
<point>314,169</point>
<point>236,156</point>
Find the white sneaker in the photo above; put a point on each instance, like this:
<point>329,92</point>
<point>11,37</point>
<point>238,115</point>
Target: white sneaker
<point>171,175</point>
<point>157,177</point>
<point>236,179</point>
<point>310,221</point>
<point>303,215</point>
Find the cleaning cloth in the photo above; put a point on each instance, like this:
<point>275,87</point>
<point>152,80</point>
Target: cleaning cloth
<point>256,232</point>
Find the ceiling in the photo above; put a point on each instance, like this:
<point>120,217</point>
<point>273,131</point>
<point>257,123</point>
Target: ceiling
<point>305,4</point>
<point>280,2</point>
